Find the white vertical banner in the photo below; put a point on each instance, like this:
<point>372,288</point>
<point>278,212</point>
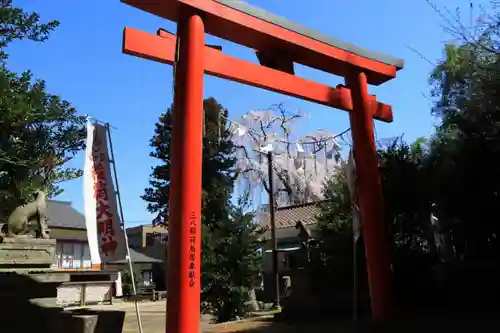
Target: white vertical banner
<point>353,191</point>
<point>104,229</point>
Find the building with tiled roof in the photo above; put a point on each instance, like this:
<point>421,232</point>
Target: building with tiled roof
<point>67,226</point>
<point>287,236</point>
<point>62,215</point>
<point>286,219</point>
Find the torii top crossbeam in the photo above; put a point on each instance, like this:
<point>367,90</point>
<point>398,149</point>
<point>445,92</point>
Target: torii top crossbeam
<point>241,23</point>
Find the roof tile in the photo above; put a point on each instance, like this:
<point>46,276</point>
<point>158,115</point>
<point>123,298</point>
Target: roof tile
<point>138,258</point>
<point>62,215</point>
<point>288,216</point>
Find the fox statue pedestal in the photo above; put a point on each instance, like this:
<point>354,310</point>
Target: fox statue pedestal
<point>28,285</point>
<point>28,293</point>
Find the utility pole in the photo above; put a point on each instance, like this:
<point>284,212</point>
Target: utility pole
<point>273,229</point>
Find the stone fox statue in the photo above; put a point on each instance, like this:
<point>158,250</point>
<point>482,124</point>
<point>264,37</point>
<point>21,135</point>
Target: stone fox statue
<point>17,224</point>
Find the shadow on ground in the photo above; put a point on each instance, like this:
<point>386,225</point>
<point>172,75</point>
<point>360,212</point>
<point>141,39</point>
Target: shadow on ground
<point>469,322</point>
<point>27,307</point>
<point>270,325</point>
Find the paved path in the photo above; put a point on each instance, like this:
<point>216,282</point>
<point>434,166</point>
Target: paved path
<point>153,321</point>
<point>152,316</point>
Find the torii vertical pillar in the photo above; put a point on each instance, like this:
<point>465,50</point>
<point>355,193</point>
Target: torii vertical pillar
<point>184,228</point>
<point>370,198</point>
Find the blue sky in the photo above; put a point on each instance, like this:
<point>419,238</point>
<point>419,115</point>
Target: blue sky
<point>83,63</point>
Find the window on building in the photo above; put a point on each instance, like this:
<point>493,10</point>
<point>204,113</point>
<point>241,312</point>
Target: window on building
<point>290,260</point>
<point>153,238</point>
<point>147,277</point>
<point>58,261</point>
<point>77,255</point>
<point>67,255</point>
<point>72,255</point>
<point>87,263</point>
<point>134,241</point>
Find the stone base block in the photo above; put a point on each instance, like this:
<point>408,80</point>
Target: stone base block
<point>88,321</point>
<point>22,252</point>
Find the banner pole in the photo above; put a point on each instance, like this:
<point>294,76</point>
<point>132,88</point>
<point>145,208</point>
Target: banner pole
<point>130,266</point>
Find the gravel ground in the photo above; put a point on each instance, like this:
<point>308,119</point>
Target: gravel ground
<point>152,316</point>
<point>153,321</point>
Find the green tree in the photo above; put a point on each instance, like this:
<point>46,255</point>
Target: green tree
<point>218,165</point>
<point>405,189</point>
<point>217,185</point>
<point>406,212</point>
<point>456,169</point>
<point>156,196</point>
<point>16,24</point>
<point>232,262</point>
<point>335,227</point>
<point>406,203</point>
<point>39,132</point>
<point>128,288</point>
<point>465,150</point>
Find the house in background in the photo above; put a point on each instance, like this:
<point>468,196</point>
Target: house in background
<point>146,236</point>
<point>88,284</point>
<point>144,266</point>
<point>151,241</point>
<point>67,227</point>
<point>287,237</point>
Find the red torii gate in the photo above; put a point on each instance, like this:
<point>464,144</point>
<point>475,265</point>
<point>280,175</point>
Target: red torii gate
<point>279,44</point>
